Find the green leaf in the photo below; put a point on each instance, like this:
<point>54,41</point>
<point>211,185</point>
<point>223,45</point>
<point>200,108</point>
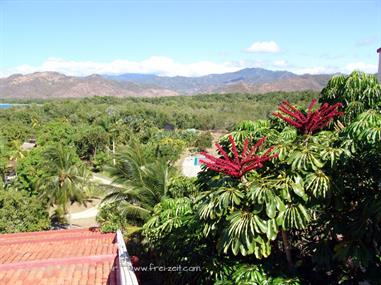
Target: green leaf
<point>298,188</point>
<point>272,229</point>
<point>318,183</point>
<point>279,204</point>
<point>295,217</point>
<point>271,209</point>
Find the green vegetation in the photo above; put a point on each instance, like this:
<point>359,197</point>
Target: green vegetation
<point>292,196</point>
<point>20,212</point>
<point>309,216</point>
<point>74,137</point>
<point>65,180</point>
<point>145,183</point>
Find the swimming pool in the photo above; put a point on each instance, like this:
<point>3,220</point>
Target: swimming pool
<point>196,161</point>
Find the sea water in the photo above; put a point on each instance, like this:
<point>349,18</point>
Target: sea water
<point>5,105</point>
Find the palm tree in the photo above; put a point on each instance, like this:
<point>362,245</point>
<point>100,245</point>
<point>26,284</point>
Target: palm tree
<point>67,180</point>
<point>145,182</point>
<point>118,134</point>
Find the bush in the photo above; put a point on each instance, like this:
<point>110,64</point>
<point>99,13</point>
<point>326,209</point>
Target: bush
<point>100,161</point>
<point>182,187</point>
<point>203,141</point>
<point>170,148</point>
<point>21,213</point>
<point>109,219</point>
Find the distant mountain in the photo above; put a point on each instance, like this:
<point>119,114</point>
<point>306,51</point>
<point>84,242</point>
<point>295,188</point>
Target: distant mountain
<point>250,80</point>
<point>207,83</point>
<point>298,83</point>
<point>46,85</point>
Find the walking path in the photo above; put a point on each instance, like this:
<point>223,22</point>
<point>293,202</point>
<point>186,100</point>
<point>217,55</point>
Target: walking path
<point>88,216</point>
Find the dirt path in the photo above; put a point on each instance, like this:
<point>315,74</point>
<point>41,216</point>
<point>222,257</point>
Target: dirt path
<point>85,216</point>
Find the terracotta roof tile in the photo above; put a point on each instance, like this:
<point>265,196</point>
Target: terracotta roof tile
<point>58,257</point>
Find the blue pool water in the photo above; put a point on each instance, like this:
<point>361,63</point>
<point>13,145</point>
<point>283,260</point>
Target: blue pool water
<point>197,160</point>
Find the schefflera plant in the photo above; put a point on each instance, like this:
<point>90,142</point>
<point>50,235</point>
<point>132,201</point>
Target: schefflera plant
<point>228,210</point>
<point>308,153</point>
<point>251,205</point>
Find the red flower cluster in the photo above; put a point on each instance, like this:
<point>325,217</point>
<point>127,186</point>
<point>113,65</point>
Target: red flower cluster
<point>239,164</point>
<point>313,120</point>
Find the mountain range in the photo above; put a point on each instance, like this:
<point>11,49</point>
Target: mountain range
<point>44,85</point>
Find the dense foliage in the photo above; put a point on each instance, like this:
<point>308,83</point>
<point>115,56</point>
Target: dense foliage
<point>21,213</point>
<point>311,215</point>
<point>97,131</point>
<point>290,196</point>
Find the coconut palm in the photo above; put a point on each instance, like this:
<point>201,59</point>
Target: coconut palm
<point>67,180</point>
<point>145,182</point>
<point>118,134</point>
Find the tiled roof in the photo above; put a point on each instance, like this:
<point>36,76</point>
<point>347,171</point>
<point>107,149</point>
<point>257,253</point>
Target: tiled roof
<point>77,257</point>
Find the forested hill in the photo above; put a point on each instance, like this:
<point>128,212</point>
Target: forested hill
<point>44,85</point>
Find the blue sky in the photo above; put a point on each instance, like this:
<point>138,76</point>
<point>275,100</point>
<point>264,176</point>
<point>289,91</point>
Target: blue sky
<point>188,37</point>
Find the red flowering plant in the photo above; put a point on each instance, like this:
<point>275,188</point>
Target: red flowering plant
<point>239,164</point>
<point>312,121</point>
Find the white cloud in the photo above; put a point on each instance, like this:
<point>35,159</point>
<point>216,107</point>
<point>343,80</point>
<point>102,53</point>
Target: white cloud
<point>166,66</point>
<point>346,68</point>
<point>159,65</point>
<point>370,68</point>
<point>280,63</point>
<point>314,70</point>
<point>269,47</point>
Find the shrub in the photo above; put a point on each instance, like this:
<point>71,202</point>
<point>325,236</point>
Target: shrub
<point>170,148</point>
<point>182,187</point>
<point>109,219</point>
<point>203,141</point>
<point>21,213</point>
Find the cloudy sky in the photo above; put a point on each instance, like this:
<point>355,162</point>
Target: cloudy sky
<point>188,37</point>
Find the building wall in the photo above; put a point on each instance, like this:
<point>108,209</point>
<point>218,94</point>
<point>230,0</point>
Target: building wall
<point>379,67</point>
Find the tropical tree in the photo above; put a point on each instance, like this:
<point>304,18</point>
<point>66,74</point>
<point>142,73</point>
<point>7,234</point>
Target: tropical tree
<point>143,181</point>
<point>67,180</point>
<point>91,140</point>
<point>259,196</point>
<point>349,228</point>
<point>119,134</point>
<point>16,153</point>
<point>319,198</point>
<point>169,148</point>
<point>357,92</point>
<point>31,169</point>
<point>20,212</point>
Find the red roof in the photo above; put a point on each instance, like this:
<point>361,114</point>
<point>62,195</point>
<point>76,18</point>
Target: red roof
<point>379,50</point>
<point>79,256</point>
